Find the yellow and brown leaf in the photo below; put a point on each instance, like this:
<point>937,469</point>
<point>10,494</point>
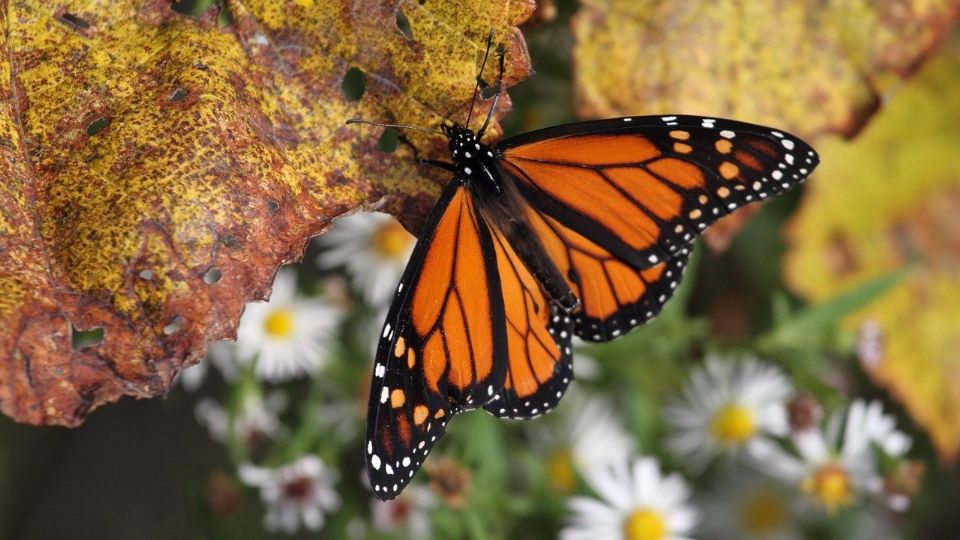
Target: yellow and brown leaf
<point>807,66</point>
<point>889,200</point>
<point>142,148</point>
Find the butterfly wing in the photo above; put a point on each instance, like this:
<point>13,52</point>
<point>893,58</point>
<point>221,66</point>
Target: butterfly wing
<point>614,296</point>
<point>618,202</point>
<point>442,347</point>
<point>539,354</point>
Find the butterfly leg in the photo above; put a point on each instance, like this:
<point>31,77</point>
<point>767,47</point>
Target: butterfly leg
<point>421,161</point>
<point>496,96</point>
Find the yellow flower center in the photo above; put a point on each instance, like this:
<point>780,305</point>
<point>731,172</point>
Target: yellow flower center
<point>279,323</point>
<point>391,240</point>
<point>560,470</point>
<point>763,513</point>
<point>733,424</point>
<point>645,524</point>
<point>831,485</point>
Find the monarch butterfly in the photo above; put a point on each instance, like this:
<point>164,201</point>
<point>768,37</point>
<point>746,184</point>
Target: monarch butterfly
<point>580,229</point>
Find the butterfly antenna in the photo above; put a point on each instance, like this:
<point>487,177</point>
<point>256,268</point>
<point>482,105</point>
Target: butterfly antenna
<point>476,88</point>
<point>496,97</point>
<point>398,126</point>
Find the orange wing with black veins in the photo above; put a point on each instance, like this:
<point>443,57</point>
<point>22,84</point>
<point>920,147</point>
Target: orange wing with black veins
<point>443,345</point>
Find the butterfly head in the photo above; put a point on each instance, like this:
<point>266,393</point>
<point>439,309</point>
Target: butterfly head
<point>474,160</point>
<point>460,139</point>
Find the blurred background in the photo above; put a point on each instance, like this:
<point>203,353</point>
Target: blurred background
<point>803,383</point>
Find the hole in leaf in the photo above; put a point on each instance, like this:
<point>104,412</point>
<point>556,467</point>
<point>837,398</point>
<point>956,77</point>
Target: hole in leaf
<point>178,95</point>
<point>273,206</point>
<point>97,126</point>
<point>196,8</point>
<point>185,7</point>
<point>487,91</point>
<point>174,326</point>
<point>212,276</point>
<point>146,274</point>
<point>85,338</point>
<point>354,84</point>
<point>72,20</point>
<point>403,23</point>
<point>389,140</point>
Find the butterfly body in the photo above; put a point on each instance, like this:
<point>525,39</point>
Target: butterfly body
<point>474,161</point>
<point>582,229</point>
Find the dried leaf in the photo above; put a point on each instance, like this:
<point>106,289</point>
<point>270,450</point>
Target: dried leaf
<point>142,148</point>
<point>805,65</point>
<point>888,200</point>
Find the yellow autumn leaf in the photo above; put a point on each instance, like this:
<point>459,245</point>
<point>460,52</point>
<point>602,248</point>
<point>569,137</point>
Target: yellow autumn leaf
<point>803,65</point>
<point>891,199</point>
<point>142,149</point>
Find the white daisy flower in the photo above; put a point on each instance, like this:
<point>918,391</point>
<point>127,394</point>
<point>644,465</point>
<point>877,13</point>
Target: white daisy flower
<point>296,494</point>
<point>833,466</point>
<point>638,503</point>
<point>747,506</point>
<point>373,248</point>
<point>724,406</point>
<point>590,434</point>
<point>407,513</point>
<point>287,336</point>
<point>256,420</point>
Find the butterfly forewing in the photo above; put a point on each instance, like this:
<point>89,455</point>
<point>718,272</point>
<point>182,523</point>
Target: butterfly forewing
<point>442,347</point>
<point>644,187</point>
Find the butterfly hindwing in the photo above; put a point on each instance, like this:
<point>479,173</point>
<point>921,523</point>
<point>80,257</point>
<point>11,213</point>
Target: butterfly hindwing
<point>539,354</point>
<point>442,347</point>
<point>614,296</point>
